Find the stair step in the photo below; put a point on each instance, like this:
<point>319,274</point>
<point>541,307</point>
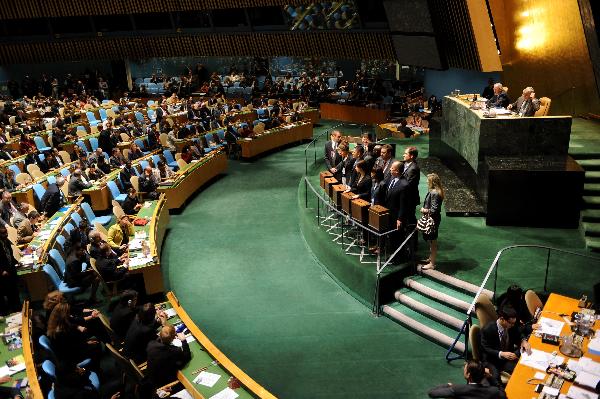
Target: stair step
<point>591,189</point>
<point>436,293</point>
<point>590,215</point>
<point>591,229</point>
<point>455,282</point>
<point>592,176</point>
<point>458,314</point>
<point>591,201</point>
<point>429,311</point>
<point>402,317</point>
<point>579,153</point>
<point>593,243</point>
<point>589,164</point>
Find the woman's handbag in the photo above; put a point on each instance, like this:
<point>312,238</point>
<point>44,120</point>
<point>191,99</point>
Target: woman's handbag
<point>426,224</point>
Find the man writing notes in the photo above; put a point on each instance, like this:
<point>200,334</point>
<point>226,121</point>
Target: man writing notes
<point>527,104</point>
<point>499,99</point>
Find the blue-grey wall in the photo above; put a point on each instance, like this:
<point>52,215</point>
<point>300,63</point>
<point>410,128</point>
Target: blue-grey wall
<point>441,83</point>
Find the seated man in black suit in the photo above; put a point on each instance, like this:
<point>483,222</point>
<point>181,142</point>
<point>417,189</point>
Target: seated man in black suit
<point>53,199</point>
<point>76,184</point>
<point>527,104</point>
<point>502,342</point>
<point>131,205</point>
<point>477,386</point>
<point>499,99</point>
<point>76,276</point>
<point>108,264</point>
<point>141,331</point>
<point>164,359</point>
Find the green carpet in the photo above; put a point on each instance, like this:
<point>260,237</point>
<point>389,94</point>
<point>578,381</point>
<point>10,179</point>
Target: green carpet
<point>236,259</point>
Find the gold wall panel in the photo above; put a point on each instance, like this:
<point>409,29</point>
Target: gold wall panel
<point>543,45</point>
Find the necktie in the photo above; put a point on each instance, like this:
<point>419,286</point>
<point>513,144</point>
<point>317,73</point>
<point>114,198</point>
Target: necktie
<point>392,183</point>
<point>503,340</point>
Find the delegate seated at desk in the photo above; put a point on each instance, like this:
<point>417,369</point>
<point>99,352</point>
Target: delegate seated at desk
<point>527,104</point>
<point>76,184</point>
<point>503,342</point>
<point>119,233</point>
<point>499,99</point>
<point>164,359</point>
<point>477,387</point>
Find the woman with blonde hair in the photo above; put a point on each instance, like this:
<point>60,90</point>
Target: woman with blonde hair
<point>432,206</point>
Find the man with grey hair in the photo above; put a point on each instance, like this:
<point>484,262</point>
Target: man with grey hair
<point>53,199</point>
<point>76,184</point>
<point>499,99</point>
<point>527,104</point>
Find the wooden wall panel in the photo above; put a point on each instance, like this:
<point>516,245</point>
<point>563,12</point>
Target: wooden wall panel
<point>21,9</point>
<point>343,45</point>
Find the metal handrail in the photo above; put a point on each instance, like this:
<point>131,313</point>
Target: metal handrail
<point>494,269</point>
<point>340,213</point>
<point>396,251</point>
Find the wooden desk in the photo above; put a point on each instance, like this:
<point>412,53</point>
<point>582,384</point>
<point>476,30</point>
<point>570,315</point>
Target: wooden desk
<point>353,114</point>
<point>274,138</point>
<point>190,179</point>
<point>30,368</point>
<point>517,387</point>
<point>203,353</point>
<point>33,276</point>
<point>158,214</point>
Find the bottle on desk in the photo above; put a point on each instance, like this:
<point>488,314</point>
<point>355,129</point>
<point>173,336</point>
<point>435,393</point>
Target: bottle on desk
<point>145,248</point>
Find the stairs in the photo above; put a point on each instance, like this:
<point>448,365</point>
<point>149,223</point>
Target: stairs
<point>433,305</point>
<point>590,215</point>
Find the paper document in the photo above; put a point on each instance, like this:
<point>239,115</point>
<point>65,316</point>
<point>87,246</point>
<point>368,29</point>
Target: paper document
<point>44,235</point>
<point>139,261</point>
<point>136,243</point>
<point>184,394</point>
<point>229,393</point>
<point>170,313</point>
<point>589,366</point>
<point>540,360</point>
<point>189,339</point>
<point>550,326</point>
<point>207,379</point>
<point>580,393</point>
<point>147,204</point>
<point>587,379</point>
<point>141,234</point>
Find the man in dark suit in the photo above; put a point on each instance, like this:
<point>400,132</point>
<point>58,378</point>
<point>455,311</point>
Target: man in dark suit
<point>527,104</point>
<point>332,158</point>
<point>397,196</point>
<point>53,199</point>
<point>412,174</point>
<point>477,386</point>
<point>104,140</point>
<point>76,184</point>
<point>164,359</point>
<point>499,99</point>
<point>9,286</point>
<point>502,342</point>
<point>385,161</point>
<point>141,331</point>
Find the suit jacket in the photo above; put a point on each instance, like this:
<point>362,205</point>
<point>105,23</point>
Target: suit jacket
<point>433,202</point>
<point>138,336</point>
<point>115,235</point>
<point>377,193</point>
<point>531,106</point>
<point>344,169</point>
<point>7,259</point>
<point>129,205</point>
<point>105,142</point>
<point>498,101</point>
<point>467,391</point>
<point>397,201</point>
<point>121,318</point>
<point>164,361</point>
<point>412,176</point>
<point>107,267</point>
<point>362,188</point>
<point>74,276</point>
<point>490,343</point>
<point>24,232</point>
<point>332,157</point>
<point>52,200</point>
<point>76,186</point>
<point>380,163</point>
